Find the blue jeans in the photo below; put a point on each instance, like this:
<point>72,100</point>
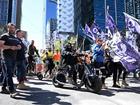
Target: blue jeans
<point>10,65</point>
<point>21,70</point>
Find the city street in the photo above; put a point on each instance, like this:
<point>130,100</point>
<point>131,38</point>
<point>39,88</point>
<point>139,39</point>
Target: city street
<point>44,93</point>
<point>79,38</point>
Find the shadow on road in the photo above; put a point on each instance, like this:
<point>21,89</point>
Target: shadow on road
<point>107,92</point>
<point>42,97</point>
<point>39,83</point>
<point>133,80</point>
<point>80,90</point>
<point>113,91</point>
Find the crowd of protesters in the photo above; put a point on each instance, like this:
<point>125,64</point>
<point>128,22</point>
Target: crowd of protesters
<point>13,52</point>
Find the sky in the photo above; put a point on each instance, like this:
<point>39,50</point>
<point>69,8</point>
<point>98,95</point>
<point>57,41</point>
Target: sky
<point>33,20</point>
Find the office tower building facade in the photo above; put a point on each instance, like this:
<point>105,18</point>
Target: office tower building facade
<point>65,16</point>
<point>133,8</point>
<point>87,11</point>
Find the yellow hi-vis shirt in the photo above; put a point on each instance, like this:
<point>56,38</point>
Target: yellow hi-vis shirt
<point>50,54</point>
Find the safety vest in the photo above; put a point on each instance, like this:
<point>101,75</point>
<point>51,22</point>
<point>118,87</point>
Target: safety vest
<point>50,54</point>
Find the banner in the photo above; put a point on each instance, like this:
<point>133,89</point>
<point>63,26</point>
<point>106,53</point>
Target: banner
<point>89,33</point>
<point>132,24</point>
<point>129,57</point>
<point>110,23</point>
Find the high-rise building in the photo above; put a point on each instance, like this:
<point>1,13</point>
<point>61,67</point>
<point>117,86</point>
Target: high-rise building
<point>3,12</point>
<point>133,8</point>
<point>51,27</point>
<point>53,24</point>
<point>65,16</point>
<point>16,12</point>
<point>10,11</point>
<point>55,1</point>
<point>49,17</point>
<point>88,10</point>
<point>83,12</point>
<point>116,9</point>
<point>50,7</point>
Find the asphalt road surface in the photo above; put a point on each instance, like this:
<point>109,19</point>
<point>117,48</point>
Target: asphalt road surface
<point>44,93</point>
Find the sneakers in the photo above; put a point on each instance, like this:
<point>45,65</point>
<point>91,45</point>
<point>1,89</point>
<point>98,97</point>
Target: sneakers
<point>124,83</point>
<point>118,83</point>
<point>13,94</point>
<point>4,91</point>
<point>22,86</point>
<point>116,86</point>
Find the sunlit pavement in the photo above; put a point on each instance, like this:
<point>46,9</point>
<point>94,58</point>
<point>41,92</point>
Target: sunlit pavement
<point>44,93</point>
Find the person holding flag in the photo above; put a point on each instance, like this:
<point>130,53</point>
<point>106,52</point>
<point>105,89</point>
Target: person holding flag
<point>116,51</point>
<point>98,60</point>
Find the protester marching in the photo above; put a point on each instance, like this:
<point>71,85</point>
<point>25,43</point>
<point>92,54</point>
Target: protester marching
<point>111,55</point>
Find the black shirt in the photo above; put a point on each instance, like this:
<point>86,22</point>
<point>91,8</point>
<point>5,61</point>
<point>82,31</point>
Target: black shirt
<point>32,50</point>
<point>68,48</point>
<point>21,52</point>
<point>10,40</point>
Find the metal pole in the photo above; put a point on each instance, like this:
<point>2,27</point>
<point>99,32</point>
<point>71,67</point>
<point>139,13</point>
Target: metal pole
<point>83,44</point>
<point>116,12</point>
<point>105,12</point>
<point>77,35</point>
<point>134,8</point>
<point>105,8</point>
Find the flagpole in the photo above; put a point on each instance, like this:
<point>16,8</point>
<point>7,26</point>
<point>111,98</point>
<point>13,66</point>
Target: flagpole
<point>105,8</point>
<point>83,44</point>
<point>116,12</point>
<point>105,12</point>
<point>77,36</point>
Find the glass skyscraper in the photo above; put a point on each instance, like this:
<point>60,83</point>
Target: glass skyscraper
<point>88,10</point>
<point>83,13</point>
<point>65,16</point>
<point>116,9</point>
<point>16,12</point>
<point>10,11</point>
<point>3,12</point>
<point>4,15</point>
<point>133,8</point>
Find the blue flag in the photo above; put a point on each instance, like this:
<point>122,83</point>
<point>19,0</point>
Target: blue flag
<point>81,31</point>
<point>132,24</point>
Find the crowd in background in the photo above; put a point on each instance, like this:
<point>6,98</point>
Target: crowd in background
<point>22,60</point>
